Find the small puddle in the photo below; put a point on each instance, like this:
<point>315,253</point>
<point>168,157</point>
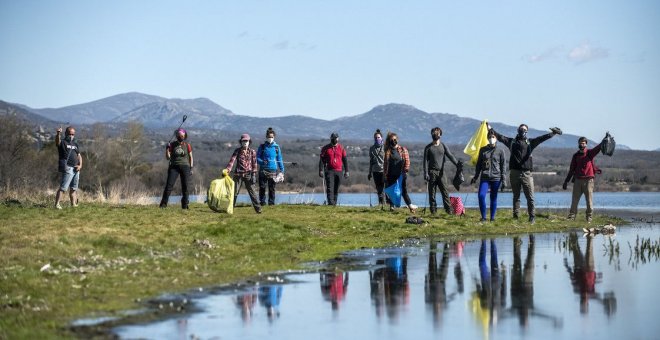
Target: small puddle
<point>562,285</point>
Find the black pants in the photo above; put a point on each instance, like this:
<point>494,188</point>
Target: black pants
<point>173,172</point>
<point>332,182</point>
<point>266,179</point>
<point>380,185</point>
<point>436,180</point>
<point>240,179</point>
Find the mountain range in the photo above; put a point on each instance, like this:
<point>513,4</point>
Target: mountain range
<point>410,123</point>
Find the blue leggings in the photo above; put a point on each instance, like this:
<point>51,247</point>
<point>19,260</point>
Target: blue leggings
<point>494,186</point>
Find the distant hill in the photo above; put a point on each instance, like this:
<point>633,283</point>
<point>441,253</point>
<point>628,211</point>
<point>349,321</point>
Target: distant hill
<point>412,124</point>
<point>8,109</point>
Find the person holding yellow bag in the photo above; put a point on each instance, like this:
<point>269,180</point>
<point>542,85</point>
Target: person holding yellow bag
<point>246,170</point>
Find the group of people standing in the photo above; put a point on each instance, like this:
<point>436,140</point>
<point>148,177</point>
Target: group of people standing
<point>389,162</point>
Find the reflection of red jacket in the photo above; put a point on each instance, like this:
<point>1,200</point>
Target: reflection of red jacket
<point>337,288</point>
<point>588,281</point>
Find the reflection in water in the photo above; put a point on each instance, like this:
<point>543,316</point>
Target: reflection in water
<point>334,287</point>
<point>245,303</point>
<point>584,277</point>
<point>389,286</point>
<point>435,294</point>
<point>269,297</point>
<point>490,297</point>
<point>522,286</point>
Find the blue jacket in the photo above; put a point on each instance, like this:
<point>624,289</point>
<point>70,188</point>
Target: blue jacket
<point>269,157</point>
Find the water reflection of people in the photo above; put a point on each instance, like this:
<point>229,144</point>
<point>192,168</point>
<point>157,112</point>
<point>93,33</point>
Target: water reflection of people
<point>334,287</point>
<point>490,298</point>
<point>389,286</point>
<point>245,303</point>
<point>269,297</point>
<point>584,277</point>
<point>435,294</point>
<point>522,286</point>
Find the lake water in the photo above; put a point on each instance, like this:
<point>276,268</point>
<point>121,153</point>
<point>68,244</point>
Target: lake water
<point>637,201</point>
<point>560,285</point>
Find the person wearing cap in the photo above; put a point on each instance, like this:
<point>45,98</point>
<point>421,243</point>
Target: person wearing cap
<point>69,165</point>
<point>332,162</point>
<point>179,154</point>
<point>583,171</point>
<point>520,165</point>
<point>246,170</point>
<point>269,158</point>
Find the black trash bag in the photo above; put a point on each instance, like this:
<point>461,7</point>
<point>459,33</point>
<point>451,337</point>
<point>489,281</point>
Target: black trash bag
<point>458,177</point>
<point>608,145</point>
<point>415,220</point>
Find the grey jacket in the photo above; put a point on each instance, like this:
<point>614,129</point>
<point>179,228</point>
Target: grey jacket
<point>491,164</point>
<point>376,158</point>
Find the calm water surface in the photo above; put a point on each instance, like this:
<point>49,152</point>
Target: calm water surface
<point>563,286</point>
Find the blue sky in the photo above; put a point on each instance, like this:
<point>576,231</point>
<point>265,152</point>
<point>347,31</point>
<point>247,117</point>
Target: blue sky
<point>585,66</point>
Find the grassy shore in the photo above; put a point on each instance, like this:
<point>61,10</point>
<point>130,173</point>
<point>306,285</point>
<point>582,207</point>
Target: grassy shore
<point>101,259</point>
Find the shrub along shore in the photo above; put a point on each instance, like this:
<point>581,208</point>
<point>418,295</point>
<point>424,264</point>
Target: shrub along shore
<point>100,259</point>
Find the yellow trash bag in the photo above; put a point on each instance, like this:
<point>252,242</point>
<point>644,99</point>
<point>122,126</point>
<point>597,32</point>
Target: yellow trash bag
<point>478,140</point>
<point>220,196</point>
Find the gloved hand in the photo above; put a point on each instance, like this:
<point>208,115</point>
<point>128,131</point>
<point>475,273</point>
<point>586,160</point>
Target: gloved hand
<point>320,173</point>
<point>369,176</point>
<point>427,177</point>
<point>556,131</point>
<point>565,185</point>
<point>473,180</point>
<point>346,174</point>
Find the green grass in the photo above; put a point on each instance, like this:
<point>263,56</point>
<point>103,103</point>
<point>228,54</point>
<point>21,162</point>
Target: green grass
<point>104,258</point>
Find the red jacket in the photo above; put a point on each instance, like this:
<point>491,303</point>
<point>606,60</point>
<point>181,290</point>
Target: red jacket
<point>333,157</point>
<point>582,164</point>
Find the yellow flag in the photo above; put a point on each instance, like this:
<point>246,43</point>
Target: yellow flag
<point>478,140</point>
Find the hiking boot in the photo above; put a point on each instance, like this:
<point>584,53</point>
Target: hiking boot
<point>532,220</point>
<point>515,216</point>
<point>258,210</point>
<point>571,217</point>
<point>162,206</point>
<point>58,206</point>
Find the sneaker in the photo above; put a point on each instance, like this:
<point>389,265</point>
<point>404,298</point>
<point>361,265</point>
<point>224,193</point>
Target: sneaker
<point>482,220</point>
<point>75,205</point>
<point>258,210</point>
<point>532,220</point>
<point>58,206</point>
<point>571,217</point>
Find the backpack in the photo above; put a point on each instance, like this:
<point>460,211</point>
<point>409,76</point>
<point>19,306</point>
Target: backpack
<point>608,145</point>
<point>457,207</point>
<point>220,196</point>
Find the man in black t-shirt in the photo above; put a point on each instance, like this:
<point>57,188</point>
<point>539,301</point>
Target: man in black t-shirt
<point>69,165</point>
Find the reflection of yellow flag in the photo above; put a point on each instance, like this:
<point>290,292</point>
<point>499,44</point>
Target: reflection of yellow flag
<point>220,196</point>
<point>478,140</point>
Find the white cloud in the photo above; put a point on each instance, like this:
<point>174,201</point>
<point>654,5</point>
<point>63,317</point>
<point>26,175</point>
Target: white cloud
<point>587,52</point>
<point>549,54</point>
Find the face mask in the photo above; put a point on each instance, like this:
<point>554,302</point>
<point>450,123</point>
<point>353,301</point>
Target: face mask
<point>522,133</point>
<point>270,140</point>
<point>492,141</point>
<point>395,142</point>
<point>582,147</point>
<point>179,138</point>
<point>334,141</point>
<point>245,143</point>
<point>435,136</point>
<point>379,140</point>
<point>69,138</point>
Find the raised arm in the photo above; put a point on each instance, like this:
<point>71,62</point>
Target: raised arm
<point>534,142</point>
<point>503,139</point>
